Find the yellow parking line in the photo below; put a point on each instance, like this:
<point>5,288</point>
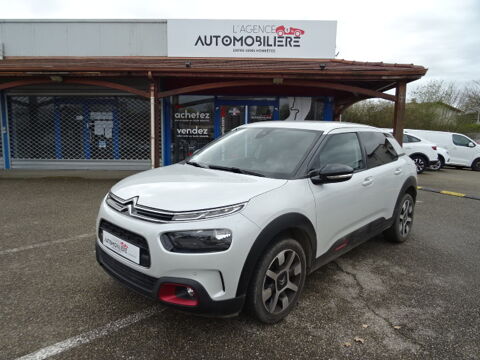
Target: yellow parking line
<point>453,193</point>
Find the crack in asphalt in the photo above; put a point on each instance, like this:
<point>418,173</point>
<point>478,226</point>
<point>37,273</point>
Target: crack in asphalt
<point>361,295</point>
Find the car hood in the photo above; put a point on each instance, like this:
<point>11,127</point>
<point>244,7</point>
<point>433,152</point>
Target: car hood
<point>182,187</point>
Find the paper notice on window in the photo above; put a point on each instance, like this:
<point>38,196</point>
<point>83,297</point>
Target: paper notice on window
<point>103,128</point>
<point>99,128</point>
<point>108,132</point>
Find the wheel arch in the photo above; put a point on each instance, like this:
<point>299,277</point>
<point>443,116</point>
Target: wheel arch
<point>474,161</point>
<point>294,224</point>
<point>409,187</point>
<point>442,160</point>
<point>420,154</point>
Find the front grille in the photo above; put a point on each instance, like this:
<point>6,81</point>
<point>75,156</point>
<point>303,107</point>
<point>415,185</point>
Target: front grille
<point>130,207</point>
<point>146,214</point>
<point>138,281</point>
<point>128,236</point>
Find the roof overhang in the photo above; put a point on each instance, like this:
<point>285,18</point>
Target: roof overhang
<point>186,72</point>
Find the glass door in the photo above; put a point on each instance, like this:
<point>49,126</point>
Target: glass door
<point>191,125</point>
<point>230,114</point>
<point>260,113</point>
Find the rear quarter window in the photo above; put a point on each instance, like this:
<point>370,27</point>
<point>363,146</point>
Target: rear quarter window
<point>378,148</point>
<point>413,139</point>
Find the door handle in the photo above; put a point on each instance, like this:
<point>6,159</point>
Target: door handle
<point>367,181</point>
<point>398,171</point>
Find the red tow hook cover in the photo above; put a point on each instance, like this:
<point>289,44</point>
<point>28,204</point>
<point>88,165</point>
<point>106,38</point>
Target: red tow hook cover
<point>178,294</point>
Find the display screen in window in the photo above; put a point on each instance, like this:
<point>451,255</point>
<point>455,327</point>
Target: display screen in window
<point>192,125</point>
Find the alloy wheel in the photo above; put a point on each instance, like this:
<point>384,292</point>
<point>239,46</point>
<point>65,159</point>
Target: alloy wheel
<point>436,166</point>
<point>406,217</point>
<point>420,163</point>
<point>282,281</point>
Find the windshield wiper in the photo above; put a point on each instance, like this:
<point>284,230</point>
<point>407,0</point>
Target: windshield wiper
<point>193,163</point>
<point>235,170</point>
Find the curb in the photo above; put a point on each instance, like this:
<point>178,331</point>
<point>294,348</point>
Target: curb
<point>451,193</point>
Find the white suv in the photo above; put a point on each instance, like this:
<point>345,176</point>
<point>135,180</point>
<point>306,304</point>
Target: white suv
<point>245,219</point>
<point>423,153</point>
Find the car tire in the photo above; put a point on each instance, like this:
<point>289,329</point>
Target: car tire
<point>280,33</point>
<point>440,164</point>
<point>420,162</point>
<point>403,220</point>
<point>277,281</point>
<point>437,166</point>
<point>476,165</point>
<point>442,161</point>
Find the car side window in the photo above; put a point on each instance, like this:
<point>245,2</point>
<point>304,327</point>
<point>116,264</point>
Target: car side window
<point>396,146</point>
<point>340,149</point>
<point>413,139</point>
<point>405,139</point>
<point>378,148</point>
<point>460,140</point>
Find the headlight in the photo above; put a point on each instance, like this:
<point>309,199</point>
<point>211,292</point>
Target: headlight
<point>197,241</point>
<point>207,214</point>
<point>132,208</point>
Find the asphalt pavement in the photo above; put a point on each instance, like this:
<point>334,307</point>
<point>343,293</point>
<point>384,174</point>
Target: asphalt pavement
<point>451,179</point>
<point>416,300</point>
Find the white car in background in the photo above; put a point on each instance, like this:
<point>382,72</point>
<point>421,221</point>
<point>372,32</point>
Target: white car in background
<point>424,153</point>
<point>464,152</point>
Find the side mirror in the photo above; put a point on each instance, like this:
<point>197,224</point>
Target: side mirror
<point>331,173</point>
<point>471,144</point>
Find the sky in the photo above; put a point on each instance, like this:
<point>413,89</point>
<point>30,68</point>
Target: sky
<point>442,35</point>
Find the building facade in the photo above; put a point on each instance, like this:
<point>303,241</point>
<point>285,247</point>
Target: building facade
<point>132,94</point>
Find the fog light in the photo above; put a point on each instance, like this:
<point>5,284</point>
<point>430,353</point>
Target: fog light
<point>178,294</point>
<point>190,292</point>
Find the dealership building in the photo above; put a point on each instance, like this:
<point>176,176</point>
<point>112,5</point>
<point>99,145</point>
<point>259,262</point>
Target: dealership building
<point>132,94</point>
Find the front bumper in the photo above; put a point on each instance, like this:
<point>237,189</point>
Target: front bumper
<point>215,275</point>
<point>149,287</point>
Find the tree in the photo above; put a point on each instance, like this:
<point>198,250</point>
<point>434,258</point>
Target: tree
<point>435,105</point>
<point>471,99</point>
<point>437,91</point>
<point>372,112</point>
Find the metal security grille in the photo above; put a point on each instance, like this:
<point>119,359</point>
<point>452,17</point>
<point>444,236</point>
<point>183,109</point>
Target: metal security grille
<point>79,128</point>
<point>1,146</point>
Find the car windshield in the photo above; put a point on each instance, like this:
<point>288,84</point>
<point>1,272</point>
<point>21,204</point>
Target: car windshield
<point>270,152</point>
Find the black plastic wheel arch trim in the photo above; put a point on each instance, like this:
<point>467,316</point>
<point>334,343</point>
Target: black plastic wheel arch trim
<point>286,222</point>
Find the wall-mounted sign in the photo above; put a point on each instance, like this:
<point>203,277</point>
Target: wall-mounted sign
<point>251,38</point>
